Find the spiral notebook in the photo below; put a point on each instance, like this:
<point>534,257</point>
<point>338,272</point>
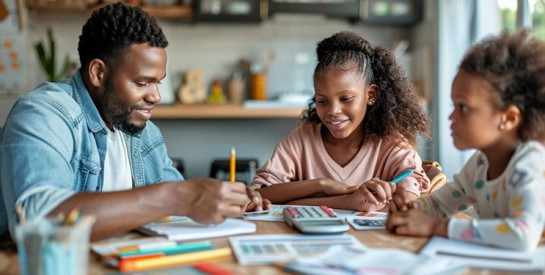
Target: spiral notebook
<point>178,228</point>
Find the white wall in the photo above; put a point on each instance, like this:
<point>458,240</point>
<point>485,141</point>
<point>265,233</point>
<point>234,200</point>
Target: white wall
<point>214,48</point>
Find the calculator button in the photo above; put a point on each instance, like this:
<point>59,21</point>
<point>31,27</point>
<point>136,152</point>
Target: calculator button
<point>293,212</point>
<point>328,211</point>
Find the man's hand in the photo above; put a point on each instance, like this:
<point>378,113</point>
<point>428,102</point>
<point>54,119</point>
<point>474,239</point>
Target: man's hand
<point>210,201</point>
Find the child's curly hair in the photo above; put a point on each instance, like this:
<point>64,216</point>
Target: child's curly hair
<point>397,114</point>
<point>514,64</point>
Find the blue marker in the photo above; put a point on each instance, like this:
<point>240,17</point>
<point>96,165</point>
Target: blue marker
<point>402,176</point>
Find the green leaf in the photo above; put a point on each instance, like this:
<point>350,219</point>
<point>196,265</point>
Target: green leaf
<point>40,51</point>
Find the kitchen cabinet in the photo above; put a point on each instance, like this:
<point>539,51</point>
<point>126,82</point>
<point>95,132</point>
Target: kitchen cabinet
<point>220,111</point>
<point>167,12</point>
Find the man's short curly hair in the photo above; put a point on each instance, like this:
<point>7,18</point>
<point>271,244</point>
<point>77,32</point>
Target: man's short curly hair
<point>514,64</point>
<point>109,32</point>
<point>397,115</point>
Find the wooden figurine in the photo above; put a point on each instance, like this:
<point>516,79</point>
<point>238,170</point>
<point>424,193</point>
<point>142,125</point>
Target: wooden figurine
<point>193,90</point>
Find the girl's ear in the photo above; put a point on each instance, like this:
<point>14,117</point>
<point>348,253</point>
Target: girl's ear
<point>511,118</point>
<point>97,72</point>
<point>372,91</point>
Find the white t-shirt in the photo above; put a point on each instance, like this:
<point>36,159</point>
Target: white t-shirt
<point>117,167</point>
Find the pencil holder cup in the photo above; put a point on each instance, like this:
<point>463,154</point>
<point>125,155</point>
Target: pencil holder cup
<point>47,247</point>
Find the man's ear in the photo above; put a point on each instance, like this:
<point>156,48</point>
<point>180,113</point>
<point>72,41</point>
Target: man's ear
<point>97,72</point>
<point>512,118</point>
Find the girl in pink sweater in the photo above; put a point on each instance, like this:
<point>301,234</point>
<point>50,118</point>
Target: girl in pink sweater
<point>358,133</point>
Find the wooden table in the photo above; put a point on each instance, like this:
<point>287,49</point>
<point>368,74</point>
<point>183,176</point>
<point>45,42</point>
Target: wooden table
<point>379,238</point>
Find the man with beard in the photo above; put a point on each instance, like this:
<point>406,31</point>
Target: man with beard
<point>87,144</point>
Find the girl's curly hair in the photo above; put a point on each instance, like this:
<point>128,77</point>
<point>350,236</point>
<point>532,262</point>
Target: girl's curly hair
<point>514,64</point>
<point>397,114</point>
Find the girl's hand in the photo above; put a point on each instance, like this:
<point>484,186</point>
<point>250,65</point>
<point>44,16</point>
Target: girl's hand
<point>256,203</point>
<point>331,187</point>
<point>402,200</point>
<point>371,195</point>
<point>414,222</point>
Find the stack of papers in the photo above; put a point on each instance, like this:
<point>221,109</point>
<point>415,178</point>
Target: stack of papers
<point>183,228</point>
<point>481,256</point>
<point>270,249</point>
<point>348,261</point>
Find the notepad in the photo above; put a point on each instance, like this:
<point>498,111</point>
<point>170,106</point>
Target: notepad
<point>481,256</point>
<point>183,228</point>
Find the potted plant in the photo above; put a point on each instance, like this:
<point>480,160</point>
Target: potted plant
<point>48,60</point>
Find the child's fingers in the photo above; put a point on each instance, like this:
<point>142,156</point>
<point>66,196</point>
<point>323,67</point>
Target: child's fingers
<point>414,205</point>
<point>394,220</point>
<point>368,195</point>
<point>380,189</point>
<point>266,204</point>
<point>399,203</point>
<point>392,208</point>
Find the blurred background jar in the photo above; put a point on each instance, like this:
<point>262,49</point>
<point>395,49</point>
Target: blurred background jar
<point>258,81</point>
<point>236,87</point>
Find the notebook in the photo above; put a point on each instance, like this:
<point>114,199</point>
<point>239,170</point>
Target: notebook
<point>179,228</point>
<point>481,256</point>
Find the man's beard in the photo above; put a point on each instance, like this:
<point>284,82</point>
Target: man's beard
<point>116,111</point>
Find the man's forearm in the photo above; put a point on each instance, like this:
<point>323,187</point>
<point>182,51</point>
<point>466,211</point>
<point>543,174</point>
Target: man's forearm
<point>120,211</point>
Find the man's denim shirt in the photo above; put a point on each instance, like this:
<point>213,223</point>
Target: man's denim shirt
<point>53,146</point>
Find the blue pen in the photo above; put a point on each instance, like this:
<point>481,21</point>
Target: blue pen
<point>402,176</point>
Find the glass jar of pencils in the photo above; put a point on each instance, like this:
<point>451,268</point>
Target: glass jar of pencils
<point>54,246</point>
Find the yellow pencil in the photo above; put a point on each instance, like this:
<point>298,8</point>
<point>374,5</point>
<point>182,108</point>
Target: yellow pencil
<point>168,261</point>
<point>232,165</point>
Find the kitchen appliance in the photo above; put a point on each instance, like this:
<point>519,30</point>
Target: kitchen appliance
<point>250,11</point>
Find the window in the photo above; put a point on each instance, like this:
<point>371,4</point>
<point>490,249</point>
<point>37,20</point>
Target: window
<point>536,9</point>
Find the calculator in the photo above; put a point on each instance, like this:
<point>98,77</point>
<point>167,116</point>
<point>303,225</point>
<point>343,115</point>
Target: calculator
<point>370,224</point>
<point>314,220</point>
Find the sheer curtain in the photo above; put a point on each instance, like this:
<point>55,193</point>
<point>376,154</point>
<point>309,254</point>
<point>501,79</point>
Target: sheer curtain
<point>461,23</point>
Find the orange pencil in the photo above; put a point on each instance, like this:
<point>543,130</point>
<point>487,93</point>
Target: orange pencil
<point>232,165</point>
<point>168,261</point>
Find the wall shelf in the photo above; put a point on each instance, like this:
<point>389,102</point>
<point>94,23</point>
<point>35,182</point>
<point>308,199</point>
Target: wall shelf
<point>167,12</point>
<point>220,111</point>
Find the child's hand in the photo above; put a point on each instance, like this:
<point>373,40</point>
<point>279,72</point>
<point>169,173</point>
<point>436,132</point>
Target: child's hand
<point>256,203</point>
<point>378,191</point>
<point>371,195</point>
<point>402,200</point>
<point>414,222</point>
<point>333,188</point>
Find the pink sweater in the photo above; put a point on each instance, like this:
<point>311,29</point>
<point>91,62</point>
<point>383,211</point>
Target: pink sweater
<point>302,156</point>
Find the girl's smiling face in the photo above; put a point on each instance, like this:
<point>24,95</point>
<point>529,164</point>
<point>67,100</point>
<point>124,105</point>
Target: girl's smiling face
<point>341,101</point>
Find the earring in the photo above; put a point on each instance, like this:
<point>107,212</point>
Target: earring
<point>371,102</point>
<point>502,126</point>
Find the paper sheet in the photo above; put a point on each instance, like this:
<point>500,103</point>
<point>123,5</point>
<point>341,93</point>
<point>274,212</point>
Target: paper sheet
<point>183,228</point>
<point>268,249</point>
<point>481,256</point>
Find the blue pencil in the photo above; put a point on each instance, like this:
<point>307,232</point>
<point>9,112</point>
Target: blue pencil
<point>402,176</point>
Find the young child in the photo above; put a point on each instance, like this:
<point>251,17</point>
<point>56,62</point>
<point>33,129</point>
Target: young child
<point>499,109</point>
<point>358,133</point>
